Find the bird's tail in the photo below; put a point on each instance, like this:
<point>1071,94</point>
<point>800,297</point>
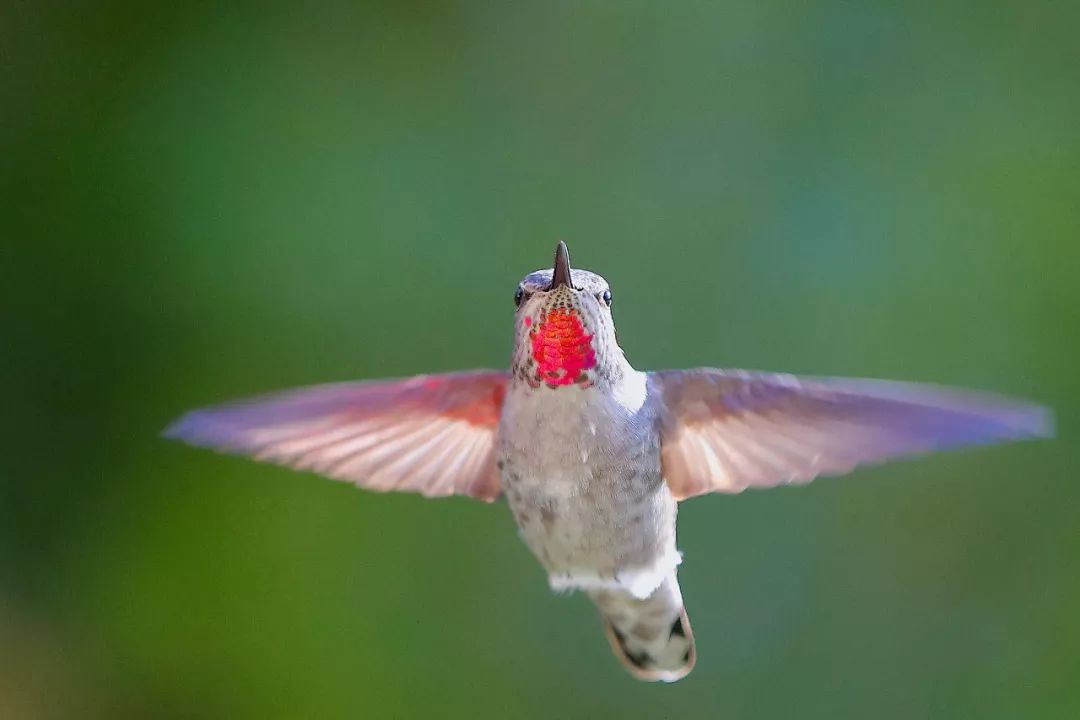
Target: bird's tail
<point>651,637</point>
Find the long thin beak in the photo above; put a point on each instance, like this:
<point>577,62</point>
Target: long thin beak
<point>561,274</point>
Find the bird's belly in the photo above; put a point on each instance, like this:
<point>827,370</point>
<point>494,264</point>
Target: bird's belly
<point>580,469</point>
<point>595,527</point>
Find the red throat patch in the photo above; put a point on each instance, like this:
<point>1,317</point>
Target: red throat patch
<point>561,348</point>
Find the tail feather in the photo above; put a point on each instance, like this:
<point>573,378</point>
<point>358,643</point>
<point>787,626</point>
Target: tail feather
<point>651,637</point>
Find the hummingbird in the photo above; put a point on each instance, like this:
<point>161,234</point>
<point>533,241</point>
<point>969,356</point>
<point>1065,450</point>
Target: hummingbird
<point>593,456</point>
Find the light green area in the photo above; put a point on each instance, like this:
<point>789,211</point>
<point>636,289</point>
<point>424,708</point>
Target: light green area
<point>200,202</point>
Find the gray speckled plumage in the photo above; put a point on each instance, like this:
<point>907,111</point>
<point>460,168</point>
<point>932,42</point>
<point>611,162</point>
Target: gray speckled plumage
<point>582,476</point>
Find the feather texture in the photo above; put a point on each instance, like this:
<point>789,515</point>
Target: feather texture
<point>728,430</point>
<point>432,434</point>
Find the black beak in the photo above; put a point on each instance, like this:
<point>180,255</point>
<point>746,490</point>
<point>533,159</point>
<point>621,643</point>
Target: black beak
<point>561,274</point>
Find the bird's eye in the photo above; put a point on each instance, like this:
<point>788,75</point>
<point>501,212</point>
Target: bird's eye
<point>519,296</point>
<point>605,297</point>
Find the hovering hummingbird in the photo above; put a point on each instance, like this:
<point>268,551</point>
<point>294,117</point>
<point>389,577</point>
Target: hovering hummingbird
<point>593,456</point>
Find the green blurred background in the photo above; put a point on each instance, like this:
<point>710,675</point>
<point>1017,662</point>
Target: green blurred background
<point>201,202</point>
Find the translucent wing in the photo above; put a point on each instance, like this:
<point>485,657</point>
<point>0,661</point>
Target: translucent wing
<point>432,434</point>
<point>728,430</point>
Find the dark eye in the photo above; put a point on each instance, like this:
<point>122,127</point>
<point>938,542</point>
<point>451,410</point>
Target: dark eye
<point>518,297</point>
<point>605,297</point>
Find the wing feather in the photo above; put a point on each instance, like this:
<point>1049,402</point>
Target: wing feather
<point>432,434</point>
<point>727,430</point>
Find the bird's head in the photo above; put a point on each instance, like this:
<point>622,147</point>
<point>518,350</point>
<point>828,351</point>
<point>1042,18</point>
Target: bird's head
<point>564,336</point>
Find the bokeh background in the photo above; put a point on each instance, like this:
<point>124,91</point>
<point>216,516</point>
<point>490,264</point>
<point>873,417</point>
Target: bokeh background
<point>202,201</point>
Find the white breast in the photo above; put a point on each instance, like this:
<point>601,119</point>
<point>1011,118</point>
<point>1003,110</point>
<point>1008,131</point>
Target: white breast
<point>581,471</point>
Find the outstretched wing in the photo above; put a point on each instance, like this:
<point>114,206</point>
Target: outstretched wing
<point>728,430</point>
<point>432,434</point>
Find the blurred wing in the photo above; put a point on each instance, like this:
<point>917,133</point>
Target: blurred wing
<point>432,434</point>
<point>728,430</point>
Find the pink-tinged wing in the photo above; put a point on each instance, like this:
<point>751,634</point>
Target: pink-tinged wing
<point>728,430</point>
<point>432,434</point>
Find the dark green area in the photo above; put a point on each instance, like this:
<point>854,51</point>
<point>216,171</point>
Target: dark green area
<point>201,201</point>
